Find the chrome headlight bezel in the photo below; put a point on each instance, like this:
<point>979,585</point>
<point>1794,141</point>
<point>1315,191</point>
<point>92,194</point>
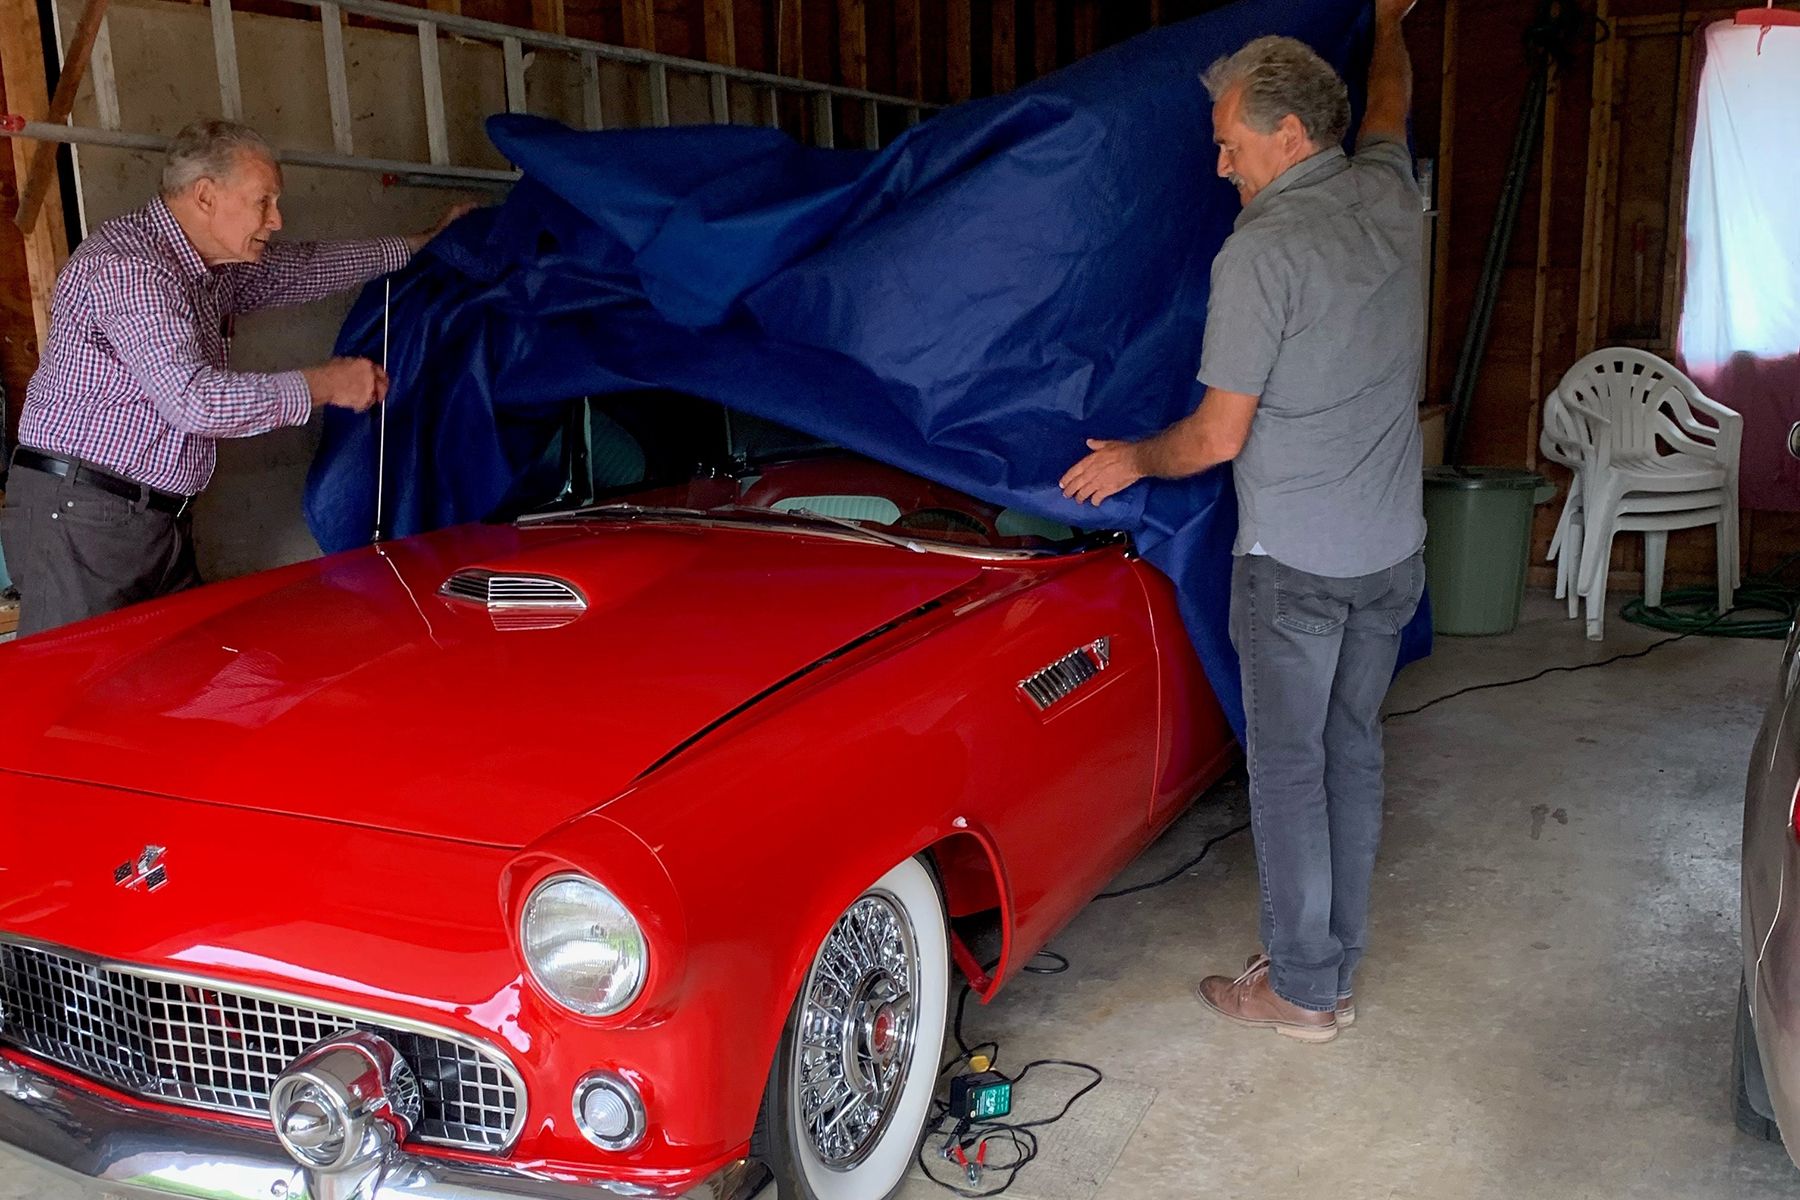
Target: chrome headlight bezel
<point>608,908</point>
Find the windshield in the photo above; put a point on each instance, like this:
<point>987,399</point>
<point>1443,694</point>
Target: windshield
<point>665,451</point>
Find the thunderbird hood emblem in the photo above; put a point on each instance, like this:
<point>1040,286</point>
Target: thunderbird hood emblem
<point>147,870</point>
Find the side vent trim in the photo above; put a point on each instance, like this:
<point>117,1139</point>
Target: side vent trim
<point>1051,685</point>
<point>500,591</point>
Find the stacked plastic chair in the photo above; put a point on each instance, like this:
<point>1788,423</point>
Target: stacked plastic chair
<point>1650,453</point>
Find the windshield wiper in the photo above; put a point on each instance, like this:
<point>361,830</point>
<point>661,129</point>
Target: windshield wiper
<point>805,516</point>
<point>624,512</point>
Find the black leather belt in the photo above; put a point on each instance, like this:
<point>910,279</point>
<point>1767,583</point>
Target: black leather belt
<point>106,481</point>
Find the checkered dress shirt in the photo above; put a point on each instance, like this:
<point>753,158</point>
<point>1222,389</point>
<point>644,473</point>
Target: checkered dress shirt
<point>134,376</point>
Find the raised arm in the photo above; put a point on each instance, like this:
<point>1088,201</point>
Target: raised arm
<point>1390,75</point>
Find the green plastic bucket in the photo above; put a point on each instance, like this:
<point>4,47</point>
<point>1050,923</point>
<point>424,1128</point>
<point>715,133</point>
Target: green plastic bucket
<point>1478,545</point>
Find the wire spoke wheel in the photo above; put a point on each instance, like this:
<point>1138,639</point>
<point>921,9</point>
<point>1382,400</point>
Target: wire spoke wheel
<point>856,1024</point>
<point>850,1089</point>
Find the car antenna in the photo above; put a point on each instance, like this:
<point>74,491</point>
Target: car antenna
<point>387,299</point>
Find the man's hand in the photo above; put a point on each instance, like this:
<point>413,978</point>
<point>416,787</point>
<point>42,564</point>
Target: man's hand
<point>452,214</point>
<point>1109,470</point>
<point>353,383</point>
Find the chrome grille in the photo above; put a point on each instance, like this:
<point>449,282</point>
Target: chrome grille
<point>190,1042</point>
<point>499,590</point>
<point>1064,677</point>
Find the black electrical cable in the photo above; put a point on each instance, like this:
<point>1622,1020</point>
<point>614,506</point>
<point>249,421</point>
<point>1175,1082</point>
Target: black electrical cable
<point>1058,964</point>
<point>1178,872</point>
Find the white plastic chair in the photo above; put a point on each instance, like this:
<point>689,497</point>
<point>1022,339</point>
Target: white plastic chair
<point>1629,425</point>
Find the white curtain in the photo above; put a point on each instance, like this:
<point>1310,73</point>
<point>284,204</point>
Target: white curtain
<point>1740,311</point>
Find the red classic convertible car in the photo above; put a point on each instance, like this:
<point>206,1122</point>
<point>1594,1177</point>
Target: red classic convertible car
<point>629,845</point>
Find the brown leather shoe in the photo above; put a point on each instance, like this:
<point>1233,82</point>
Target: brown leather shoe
<point>1346,1005</point>
<point>1249,1000</point>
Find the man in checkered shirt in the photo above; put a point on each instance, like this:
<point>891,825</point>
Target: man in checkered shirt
<point>134,387</point>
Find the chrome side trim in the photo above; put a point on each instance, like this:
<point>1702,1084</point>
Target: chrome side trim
<point>123,1150</point>
<point>1051,685</point>
<point>489,1050</point>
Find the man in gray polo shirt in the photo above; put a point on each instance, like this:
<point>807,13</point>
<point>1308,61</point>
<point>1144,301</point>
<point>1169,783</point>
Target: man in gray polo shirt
<point>1312,357</point>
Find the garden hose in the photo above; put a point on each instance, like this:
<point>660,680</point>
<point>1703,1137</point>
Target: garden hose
<point>1764,607</point>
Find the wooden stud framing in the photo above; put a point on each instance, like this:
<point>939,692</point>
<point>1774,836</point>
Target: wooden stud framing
<point>719,96</point>
<point>640,23</point>
<point>1005,56</point>
<point>231,91</point>
<point>1440,283</point>
<point>1087,27</point>
<point>824,122</point>
<point>909,61</point>
<point>36,183</point>
<point>790,40</point>
<point>515,74</point>
<point>22,62</point>
<point>591,114</point>
<point>454,7</point>
<point>337,82</point>
<point>659,95</point>
<point>1593,218</point>
<point>437,136</point>
<point>548,15</point>
<point>720,23</point>
<point>1675,231</point>
<point>1156,12</point>
<point>1546,199</point>
<point>106,80</point>
<point>1043,36</point>
<point>959,75</point>
<point>853,43</point>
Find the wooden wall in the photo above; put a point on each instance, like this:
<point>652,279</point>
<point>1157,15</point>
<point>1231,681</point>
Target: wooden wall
<point>1471,70</point>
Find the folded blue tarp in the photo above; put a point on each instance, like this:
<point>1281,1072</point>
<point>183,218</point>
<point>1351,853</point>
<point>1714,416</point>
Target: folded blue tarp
<point>1011,277</point>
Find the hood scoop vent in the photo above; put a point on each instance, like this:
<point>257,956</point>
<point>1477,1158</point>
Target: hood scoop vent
<point>517,601</point>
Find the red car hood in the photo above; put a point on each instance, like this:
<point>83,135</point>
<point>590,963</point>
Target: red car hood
<point>349,689</point>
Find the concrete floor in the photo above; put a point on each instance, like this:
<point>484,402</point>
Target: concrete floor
<point>1547,1006</point>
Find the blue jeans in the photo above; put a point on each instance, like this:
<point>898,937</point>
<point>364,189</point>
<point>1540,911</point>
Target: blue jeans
<point>1317,655</point>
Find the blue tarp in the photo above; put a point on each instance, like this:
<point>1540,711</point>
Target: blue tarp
<point>1009,278</point>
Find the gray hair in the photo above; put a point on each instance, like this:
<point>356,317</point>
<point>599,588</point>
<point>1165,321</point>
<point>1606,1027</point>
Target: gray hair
<point>209,150</point>
<point>1281,76</point>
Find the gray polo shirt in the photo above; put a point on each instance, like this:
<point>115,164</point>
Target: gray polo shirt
<point>1318,307</point>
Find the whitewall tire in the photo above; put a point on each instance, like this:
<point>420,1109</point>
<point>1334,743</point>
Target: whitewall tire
<point>850,1090</point>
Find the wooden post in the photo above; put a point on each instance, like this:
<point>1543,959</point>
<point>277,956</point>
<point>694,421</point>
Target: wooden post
<point>1044,36</point>
<point>22,63</point>
<point>1087,27</point>
<point>453,7</point>
<point>548,16</point>
<point>1675,232</point>
<point>721,32</point>
<point>1599,157</point>
<point>1546,197</point>
<point>790,40</point>
<point>959,28</point>
<point>1156,12</point>
<point>640,23</point>
<point>853,43</point>
<point>1440,283</point>
<point>39,176</point>
<point>1005,54</point>
<point>909,59</point>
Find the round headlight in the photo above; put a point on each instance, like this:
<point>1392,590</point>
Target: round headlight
<point>582,946</point>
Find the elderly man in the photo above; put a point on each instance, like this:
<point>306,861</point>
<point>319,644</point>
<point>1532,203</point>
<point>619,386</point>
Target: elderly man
<point>1312,357</point>
<point>134,386</point>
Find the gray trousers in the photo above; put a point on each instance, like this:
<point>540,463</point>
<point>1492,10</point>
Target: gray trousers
<point>1316,655</point>
<point>74,551</point>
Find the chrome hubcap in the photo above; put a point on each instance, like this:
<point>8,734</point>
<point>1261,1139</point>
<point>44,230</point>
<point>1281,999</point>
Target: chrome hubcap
<point>857,1030</point>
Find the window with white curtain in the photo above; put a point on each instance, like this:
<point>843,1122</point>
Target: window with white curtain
<point>1740,311</point>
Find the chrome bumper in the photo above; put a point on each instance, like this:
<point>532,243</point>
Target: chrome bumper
<point>122,1150</point>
